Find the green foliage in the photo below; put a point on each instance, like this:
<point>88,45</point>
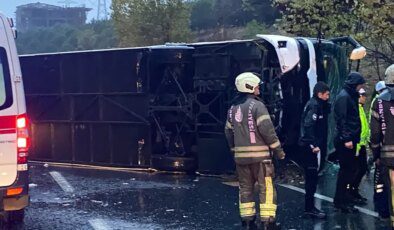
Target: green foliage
<point>150,22</point>
<point>369,21</point>
<point>261,10</point>
<point>375,28</point>
<point>230,13</point>
<point>202,15</point>
<point>316,17</point>
<point>252,28</point>
<point>96,35</point>
<point>208,14</point>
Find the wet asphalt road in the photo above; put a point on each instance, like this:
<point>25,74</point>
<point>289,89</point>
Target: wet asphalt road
<point>75,198</point>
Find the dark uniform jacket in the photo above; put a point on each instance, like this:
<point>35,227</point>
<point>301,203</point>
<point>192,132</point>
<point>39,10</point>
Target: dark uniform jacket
<point>250,132</point>
<point>382,128</point>
<point>347,117</point>
<point>313,123</point>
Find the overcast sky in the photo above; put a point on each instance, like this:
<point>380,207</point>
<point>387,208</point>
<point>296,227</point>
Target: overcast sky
<point>8,7</point>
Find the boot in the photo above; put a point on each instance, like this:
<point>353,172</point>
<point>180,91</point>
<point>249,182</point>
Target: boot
<point>249,225</point>
<point>356,194</point>
<point>353,199</point>
<point>270,225</point>
<point>352,209</point>
<point>341,207</point>
<point>315,213</point>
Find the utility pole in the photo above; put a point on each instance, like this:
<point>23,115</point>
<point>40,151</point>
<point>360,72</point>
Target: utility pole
<point>67,3</point>
<point>102,9</point>
<point>101,6</point>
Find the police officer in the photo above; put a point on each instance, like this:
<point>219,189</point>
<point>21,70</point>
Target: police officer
<point>251,135</point>
<point>348,130</point>
<point>361,151</point>
<point>312,140</point>
<point>382,135</point>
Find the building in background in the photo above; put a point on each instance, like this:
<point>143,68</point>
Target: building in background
<point>36,15</point>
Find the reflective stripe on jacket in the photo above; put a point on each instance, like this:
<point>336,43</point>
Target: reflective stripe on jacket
<point>382,128</point>
<point>250,132</point>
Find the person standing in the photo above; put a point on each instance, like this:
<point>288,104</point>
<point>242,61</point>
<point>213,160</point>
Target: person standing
<point>361,151</point>
<point>380,87</point>
<point>380,196</point>
<point>382,136</point>
<point>312,139</point>
<point>251,135</point>
<point>348,131</point>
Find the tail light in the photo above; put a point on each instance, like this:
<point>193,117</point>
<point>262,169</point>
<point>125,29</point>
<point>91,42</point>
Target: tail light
<point>14,191</point>
<point>23,141</point>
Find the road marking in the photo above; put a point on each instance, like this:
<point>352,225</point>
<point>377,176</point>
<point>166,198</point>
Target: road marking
<point>329,199</point>
<point>62,182</point>
<point>99,224</point>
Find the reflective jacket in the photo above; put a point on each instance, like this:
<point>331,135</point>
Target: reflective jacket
<point>382,128</point>
<point>364,137</point>
<point>250,132</point>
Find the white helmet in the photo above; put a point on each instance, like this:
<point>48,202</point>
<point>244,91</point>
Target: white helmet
<point>380,86</point>
<point>389,79</point>
<point>247,82</point>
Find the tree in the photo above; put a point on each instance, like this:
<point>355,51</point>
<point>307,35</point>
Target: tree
<point>150,22</point>
<point>252,28</point>
<point>316,17</point>
<point>63,37</point>
<point>202,15</point>
<point>230,13</point>
<point>375,28</point>
<point>261,10</point>
<point>369,21</point>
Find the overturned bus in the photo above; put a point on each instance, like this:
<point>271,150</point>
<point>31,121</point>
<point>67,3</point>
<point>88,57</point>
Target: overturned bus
<point>165,106</point>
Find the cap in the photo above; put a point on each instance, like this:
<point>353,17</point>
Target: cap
<point>362,92</point>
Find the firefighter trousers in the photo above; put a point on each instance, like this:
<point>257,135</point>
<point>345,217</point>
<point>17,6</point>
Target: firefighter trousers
<point>381,191</point>
<point>388,180</point>
<point>248,175</point>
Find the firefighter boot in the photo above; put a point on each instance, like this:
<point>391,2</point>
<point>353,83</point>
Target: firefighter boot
<point>249,224</point>
<point>270,225</point>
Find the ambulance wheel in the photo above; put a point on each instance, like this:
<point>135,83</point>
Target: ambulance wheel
<point>174,163</point>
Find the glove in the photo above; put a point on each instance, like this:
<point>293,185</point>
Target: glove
<point>376,153</point>
<point>280,154</point>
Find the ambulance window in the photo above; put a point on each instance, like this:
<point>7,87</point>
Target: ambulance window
<point>2,85</point>
<point>5,81</point>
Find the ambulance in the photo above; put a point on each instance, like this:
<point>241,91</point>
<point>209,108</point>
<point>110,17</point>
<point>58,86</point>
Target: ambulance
<point>14,136</point>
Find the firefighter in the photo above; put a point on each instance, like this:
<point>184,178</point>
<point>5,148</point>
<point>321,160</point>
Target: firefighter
<point>380,87</point>
<point>380,195</point>
<point>312,141</point>
<point>382,136</point>
<point>251,135</point>
<point>348,131</point>
<point>361,151</point>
